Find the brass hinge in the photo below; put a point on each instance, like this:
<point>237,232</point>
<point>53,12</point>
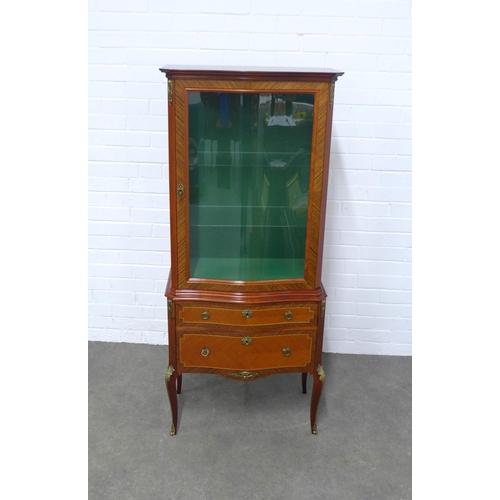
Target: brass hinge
<point>170,306</point>
<point>169,87</point>
<point>323,306</point>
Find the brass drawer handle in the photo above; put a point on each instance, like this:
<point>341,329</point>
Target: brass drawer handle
<point>205,315</point>
<point>246,340</point>
<point>288,315</point>
<point>205,351</point>
<point>287,351</point>
<point>247,313</point>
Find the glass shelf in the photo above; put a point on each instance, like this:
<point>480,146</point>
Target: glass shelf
<point>247,269</point>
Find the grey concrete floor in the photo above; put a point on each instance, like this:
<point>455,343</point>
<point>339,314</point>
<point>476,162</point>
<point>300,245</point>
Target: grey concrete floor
<point>247,440</point>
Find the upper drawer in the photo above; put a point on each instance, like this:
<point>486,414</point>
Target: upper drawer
<point>212,313</point>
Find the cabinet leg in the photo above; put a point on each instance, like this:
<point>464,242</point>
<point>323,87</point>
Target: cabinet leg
<point>170,381</point>
<point>304,382</point>
<point>179,383</point>
<point>319,378</point>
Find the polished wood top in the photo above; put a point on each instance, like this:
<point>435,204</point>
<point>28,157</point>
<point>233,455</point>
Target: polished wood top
<point>249,72</point>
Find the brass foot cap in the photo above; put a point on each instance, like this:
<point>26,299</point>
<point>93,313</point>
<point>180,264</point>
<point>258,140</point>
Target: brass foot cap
<point>172,430</point>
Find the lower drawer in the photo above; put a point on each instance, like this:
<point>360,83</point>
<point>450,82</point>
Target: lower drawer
<point>245,352</point>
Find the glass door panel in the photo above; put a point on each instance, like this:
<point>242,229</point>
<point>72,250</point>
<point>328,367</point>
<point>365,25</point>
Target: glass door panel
<point>249,169</point>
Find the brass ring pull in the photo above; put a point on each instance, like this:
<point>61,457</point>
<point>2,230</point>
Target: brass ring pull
<point>287,351</point>
<point>205,351</point>
<point>205,315</point>
<point>288,315</point>
<point>246,340</point>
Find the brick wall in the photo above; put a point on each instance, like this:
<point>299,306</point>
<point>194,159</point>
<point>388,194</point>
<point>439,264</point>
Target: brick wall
<point>367,258</point>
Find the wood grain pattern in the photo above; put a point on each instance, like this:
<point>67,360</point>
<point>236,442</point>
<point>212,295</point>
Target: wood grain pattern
<point>269,297</point>
<point>228,352</point>
<point>225,314</point>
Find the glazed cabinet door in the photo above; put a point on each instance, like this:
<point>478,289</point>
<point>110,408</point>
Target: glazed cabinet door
<point>249,176</point>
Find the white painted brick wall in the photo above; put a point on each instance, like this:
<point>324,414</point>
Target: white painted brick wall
<point>367,258</point>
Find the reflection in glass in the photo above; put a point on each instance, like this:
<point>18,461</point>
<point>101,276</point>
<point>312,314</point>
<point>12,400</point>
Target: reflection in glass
<point>249,166</point>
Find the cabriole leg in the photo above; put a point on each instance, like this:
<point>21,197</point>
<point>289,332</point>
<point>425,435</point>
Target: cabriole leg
<point>319,378</point>
<point>170,382</point>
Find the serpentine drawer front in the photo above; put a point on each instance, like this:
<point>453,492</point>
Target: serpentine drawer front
<point>245,352</point>
<point>247,315</point>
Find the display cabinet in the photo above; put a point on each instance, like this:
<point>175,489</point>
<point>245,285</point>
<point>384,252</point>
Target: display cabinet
<point>248,168</point>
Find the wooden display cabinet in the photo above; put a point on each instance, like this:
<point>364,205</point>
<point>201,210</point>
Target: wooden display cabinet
<point>248,155</point>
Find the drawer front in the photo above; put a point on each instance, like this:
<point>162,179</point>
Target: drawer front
<point>245,352</point>
<point>214,314</point>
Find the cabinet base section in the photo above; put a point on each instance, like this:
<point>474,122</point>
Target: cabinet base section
<point>174,381</point>
<point>243,375</point>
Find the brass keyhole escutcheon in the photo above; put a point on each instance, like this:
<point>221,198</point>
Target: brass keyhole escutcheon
<point>205,315</point>
<point>246,340</point>
<point>287,351</point>
<point>205,351</point>
<point>288,315</point>
<point>247,313</point>
<point>180,189</point>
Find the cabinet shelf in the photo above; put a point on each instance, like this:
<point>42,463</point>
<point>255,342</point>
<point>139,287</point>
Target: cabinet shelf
<point>247,269</point>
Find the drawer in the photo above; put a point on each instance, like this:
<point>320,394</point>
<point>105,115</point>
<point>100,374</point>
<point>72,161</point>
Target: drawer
<point>245,352</point>
<point>246,316</point>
